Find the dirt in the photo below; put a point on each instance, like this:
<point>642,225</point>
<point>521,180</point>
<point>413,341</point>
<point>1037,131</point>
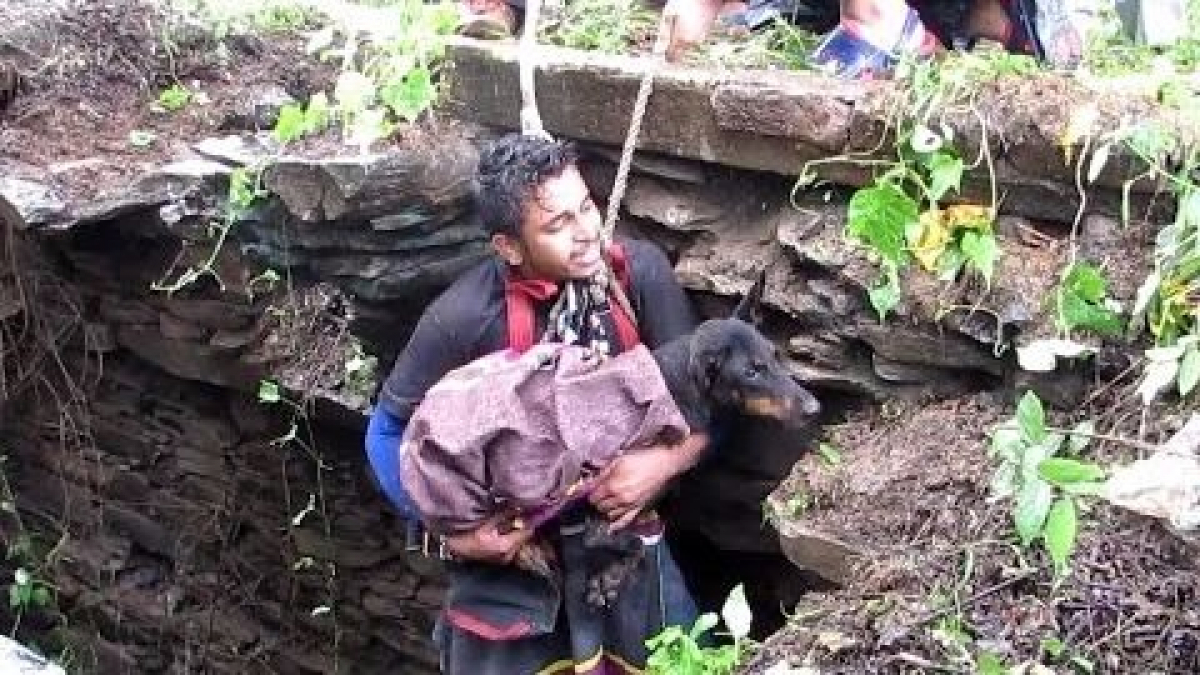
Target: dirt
<point>943,581</point>
<point>98,80</point>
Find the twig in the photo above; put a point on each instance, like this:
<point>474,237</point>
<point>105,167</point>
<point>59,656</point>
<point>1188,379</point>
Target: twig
<point>990,590</point>
<point>914,660</point>
<point>1131,442</point>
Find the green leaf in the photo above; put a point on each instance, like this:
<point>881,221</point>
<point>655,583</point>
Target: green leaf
<point>1060,471</point>
<point>945,174</point>
<point>290,124</point>
<point>830,454</point>
<point>40,597</point>
<point>704,623</point>
<point>1080,436</point>
<point>268,392</point>
<point>1086,281</point>
<point>1033,505</point>
<point>316,115</point>
<point>990,664</point>
<point>411,96</point>
<point>878,216</point>
<point>1053,647</point>
<point>1004,481</point>
<point>1032,418</point>
<point>1006,443</point>
<point>950,263</point>
<point>1077,312</point>
<point>1060,530</point>
<point>981,252</point>
<point>1189,370</point>
<point>886,295</point>
<point>14,596</point>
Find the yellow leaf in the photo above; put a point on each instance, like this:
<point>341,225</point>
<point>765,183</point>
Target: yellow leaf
<point>932,242</point>
<point>939,226</point>
<point>968,217</point>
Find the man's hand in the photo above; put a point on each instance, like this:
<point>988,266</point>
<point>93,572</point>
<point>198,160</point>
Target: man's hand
<point>630,482</point>
<point>487,544</point>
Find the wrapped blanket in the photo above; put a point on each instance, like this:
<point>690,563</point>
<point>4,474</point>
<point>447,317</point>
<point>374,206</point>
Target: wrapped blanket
<point>517,433</point>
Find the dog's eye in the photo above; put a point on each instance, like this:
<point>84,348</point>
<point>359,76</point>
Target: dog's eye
<point>755,370</point>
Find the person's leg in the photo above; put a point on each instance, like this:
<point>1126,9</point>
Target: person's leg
<point>990,19</point>
<point>693,21</point>
<point>488,18</point>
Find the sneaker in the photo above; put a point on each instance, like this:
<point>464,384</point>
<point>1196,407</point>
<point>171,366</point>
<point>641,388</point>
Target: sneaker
<point>847,54</point>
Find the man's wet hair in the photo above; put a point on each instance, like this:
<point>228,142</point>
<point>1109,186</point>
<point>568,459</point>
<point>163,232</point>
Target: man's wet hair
<point>510,170</point>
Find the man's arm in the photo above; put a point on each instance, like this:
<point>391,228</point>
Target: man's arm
<point>636,478</point>
<point>664,311</point>
<point>437,346</point>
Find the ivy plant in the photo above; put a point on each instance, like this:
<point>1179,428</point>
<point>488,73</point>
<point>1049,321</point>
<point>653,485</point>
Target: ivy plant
<point>680,651</point>
<point>902,219</point>
<point>1040,471</point>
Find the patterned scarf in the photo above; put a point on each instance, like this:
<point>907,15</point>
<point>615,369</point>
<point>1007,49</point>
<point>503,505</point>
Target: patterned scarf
<point>584,312</point>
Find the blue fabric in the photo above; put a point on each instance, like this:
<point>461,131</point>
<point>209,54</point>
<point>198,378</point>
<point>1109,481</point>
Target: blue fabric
<point>384,432</point>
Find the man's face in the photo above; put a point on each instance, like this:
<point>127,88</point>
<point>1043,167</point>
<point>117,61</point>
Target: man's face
<point>560,231</point>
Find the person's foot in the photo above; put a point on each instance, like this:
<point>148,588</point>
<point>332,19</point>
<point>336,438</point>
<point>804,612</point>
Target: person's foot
<point>853,50</point>
<point>1043,28</point>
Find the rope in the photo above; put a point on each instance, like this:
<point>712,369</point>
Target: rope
<point>531,118</point>
<point>666,26</point>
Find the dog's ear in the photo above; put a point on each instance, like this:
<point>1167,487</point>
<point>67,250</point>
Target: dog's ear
<point>706,366</point>
<point>749,309</point>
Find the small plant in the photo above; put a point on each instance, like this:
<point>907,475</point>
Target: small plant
<point>296,121</point>
<point>1040,472</point>
<point>360,369</point>
<point>608,26</point>
<point>676,651</point>
<point>1081,302</point>
<point>26,593</point>
<point>1168,301</point>
<point>174,98</point>
<point>244,190</point>
<point>142,139</point>
<point>387,74</point>
<point>900,218</point>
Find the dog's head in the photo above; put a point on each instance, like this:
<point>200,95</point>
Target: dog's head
<point>737,367</point>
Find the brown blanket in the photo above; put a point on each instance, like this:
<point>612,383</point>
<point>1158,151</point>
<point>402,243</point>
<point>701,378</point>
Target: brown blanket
<point>513,433</point>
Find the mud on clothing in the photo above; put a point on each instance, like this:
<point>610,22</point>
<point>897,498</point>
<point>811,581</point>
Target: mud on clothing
<point>500,620</point>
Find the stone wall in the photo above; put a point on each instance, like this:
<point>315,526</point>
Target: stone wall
<point>189,538</point>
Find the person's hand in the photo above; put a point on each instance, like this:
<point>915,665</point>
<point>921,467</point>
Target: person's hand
<point>488,544</point>
<point>630,482</point>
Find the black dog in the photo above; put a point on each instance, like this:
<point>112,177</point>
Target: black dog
<point>726,365</point>
<point>723,366</point>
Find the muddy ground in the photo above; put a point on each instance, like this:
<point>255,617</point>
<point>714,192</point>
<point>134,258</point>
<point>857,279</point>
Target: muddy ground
<point>944,582</point>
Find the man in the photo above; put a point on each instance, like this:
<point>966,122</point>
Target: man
<point>548,280</point>
<point>873,34</point>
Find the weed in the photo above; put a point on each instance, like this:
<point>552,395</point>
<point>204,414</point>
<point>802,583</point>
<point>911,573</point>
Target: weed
<point>676,651</point>
<point>608,26</point>
<point>1040,472</point>
<point>173,98</point>
<point>1082,302</point>
<point>388,74</point>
